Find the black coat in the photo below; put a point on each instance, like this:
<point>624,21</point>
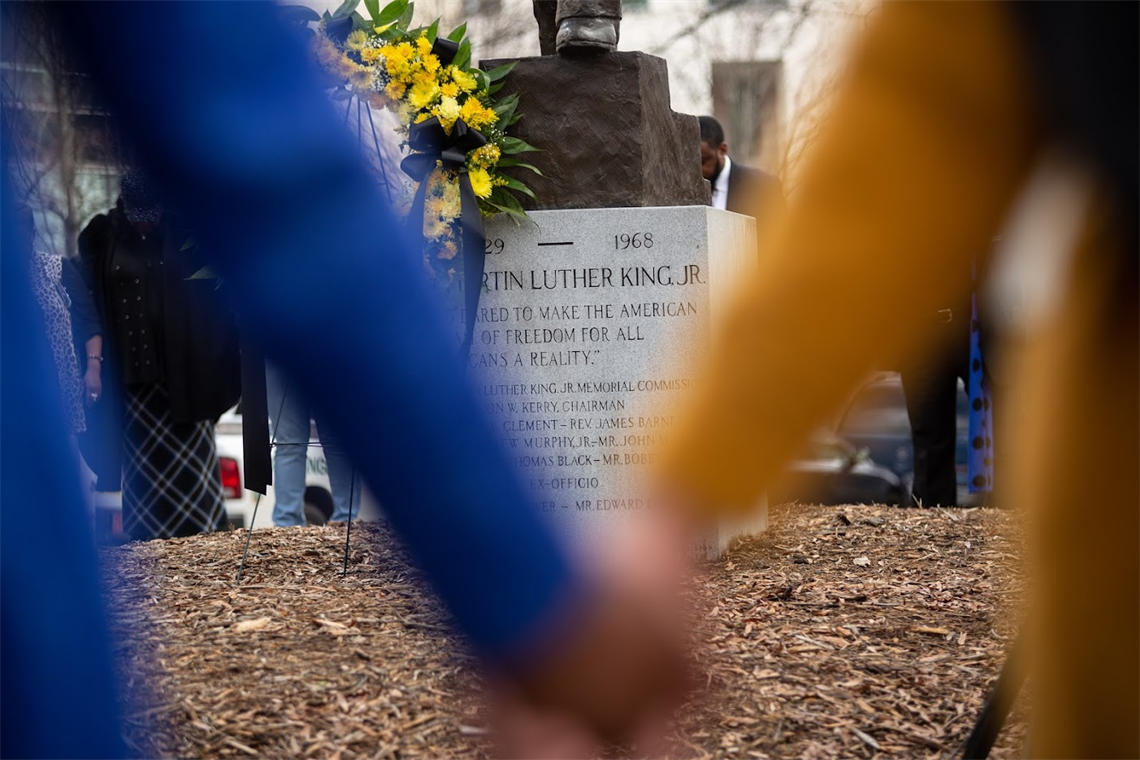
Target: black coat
<point>748,187</point>
<point>199,350</point>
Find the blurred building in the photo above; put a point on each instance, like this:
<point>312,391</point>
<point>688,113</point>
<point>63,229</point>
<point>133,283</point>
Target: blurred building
<point>764,68</point>
<point>67,157</point>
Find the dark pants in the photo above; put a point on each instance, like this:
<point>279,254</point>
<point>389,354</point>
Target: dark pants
<point>931,389</point>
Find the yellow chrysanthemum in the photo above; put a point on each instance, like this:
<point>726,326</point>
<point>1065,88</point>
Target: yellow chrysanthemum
<point>406,50</point>
<point>356,40</point>
<point>361,78</point>
<point>423,78</point>
<point>448,251</point>
<point>327,53</point>
<point>395,90</point>
<point>423,45</point>
<point>431,63</point>
<point>423,116</point>
<point>484,157</point>
<point>397,71</point>
<point>396,63</point>
<point>475,114</point>
<point>370,55</point>
<point>451,198</point>
<point>346,67</point>
<point>450,89</point>
<point>422,95</point>
<point>480,182</point>
<point>405,113</point>
<point>466,82</point>
<point>435,227</point>
<point>447,111</point>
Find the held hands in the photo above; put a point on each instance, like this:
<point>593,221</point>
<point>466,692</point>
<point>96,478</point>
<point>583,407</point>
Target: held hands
<point>621,672</point>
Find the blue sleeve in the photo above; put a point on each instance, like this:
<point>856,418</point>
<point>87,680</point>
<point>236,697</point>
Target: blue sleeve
<point>85,323</point>
<point>57,684</point>
<point>225,110</point>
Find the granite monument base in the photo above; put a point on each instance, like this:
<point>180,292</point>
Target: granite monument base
<point>592,326</point>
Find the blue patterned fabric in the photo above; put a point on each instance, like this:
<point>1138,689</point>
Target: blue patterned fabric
<point>980,457</point>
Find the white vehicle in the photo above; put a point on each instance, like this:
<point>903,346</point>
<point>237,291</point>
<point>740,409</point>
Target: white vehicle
<point>241,502</point>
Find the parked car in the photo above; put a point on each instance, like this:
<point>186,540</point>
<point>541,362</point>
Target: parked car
<point>243,507</point>
<point>876,419</point>
<point>832,471</point>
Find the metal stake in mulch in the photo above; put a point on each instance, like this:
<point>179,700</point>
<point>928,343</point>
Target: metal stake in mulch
<point>998,705</point>
<point>257,501</point>
<point>382,178</point>
<point>348,531</point>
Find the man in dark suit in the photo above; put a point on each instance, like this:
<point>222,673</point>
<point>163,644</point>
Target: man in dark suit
<point>735,187</point>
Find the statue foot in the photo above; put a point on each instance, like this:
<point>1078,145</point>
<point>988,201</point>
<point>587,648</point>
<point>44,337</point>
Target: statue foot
<point>584,35</point>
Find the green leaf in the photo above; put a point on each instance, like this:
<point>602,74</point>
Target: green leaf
<point>458,32</point>
<point>373,7</point>
<point>391,12</point>
<point>505,108</point>
<point>359,22</point>
<point>345,8</point>
<point>481,78</point>
<point>494,88</point>
<point>512,145</point>
<point>505,163</point>
<point>516,212</point>
<point>514,184</point>
<point>463,57</point>
<point>433,31</point>
<point>405,19</point>
<point>499,72</point>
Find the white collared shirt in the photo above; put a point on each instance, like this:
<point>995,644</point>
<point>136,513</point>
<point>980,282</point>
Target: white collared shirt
<point>720,187</point>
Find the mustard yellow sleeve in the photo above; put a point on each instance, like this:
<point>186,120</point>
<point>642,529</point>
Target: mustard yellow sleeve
<point>917,165</point>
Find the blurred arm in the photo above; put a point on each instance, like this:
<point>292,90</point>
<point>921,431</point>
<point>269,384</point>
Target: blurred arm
<point>224,109</point>
<point>921,157</point>
<point>78,279</point>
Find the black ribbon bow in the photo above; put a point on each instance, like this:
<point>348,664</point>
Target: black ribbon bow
<point>434,145</point>
<point>338,29</point>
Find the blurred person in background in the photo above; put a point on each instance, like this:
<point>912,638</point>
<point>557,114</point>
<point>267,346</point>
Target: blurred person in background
<point>930,383</point>
<point>47,272</point>
<point>173,365</point>
<point>949,113</point>
<point>290,426</point>
<point>735,187</point>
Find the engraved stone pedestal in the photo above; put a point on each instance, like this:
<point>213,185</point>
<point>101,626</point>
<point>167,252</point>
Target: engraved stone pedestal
<point>591,327</point>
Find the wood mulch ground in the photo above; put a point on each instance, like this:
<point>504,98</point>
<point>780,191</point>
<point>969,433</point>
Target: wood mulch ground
<point>841,632</point>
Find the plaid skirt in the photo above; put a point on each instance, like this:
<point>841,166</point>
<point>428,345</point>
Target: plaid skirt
<point>171,481</point>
